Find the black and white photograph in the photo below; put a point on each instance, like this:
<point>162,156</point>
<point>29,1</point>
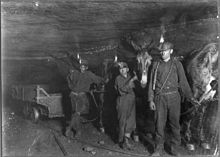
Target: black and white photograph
<point>110,78</point>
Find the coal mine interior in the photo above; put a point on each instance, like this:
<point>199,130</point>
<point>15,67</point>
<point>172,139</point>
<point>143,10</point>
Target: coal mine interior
<point>44,40</point>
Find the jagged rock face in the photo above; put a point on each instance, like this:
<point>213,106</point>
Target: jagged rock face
<point>39,29</point>
<point>43,27</point>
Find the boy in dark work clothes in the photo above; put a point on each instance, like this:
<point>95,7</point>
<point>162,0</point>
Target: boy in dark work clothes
<point>125,105</point>
<point>79,83</point>
<point>166,80</point>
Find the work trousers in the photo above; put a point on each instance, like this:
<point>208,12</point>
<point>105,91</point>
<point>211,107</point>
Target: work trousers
<point>80,105</point>
<point>80,102</point>
<point>126,115</point>
<point>168,112</point>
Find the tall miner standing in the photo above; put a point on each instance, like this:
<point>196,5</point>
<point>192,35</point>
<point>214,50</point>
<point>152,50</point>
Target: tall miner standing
<point>167,80</point>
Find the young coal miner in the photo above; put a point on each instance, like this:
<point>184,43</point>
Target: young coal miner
<point>124,85</point>
<point>166,81</point>
<point>79,83</point>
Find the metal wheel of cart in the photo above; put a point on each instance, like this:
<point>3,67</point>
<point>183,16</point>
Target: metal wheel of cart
<point>34,114</point>
<point>37,102</point>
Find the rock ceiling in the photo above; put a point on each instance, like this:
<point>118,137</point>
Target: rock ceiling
<point>40,28</point>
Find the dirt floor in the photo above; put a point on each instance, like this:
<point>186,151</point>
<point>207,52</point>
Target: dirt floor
<point>22,137</point>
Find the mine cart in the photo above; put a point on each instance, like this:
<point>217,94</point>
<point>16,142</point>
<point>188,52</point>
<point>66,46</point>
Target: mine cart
<point>37,102</point>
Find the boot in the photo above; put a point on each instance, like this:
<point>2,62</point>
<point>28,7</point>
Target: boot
<point>135,136</point>
<point>68,132</point>
<point>125,144</point>
<point>158,151</point>
<point>174,150</point>
<point>77,134</point>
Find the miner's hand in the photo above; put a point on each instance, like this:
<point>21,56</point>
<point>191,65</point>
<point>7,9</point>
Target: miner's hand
<point>195,102</point>
<point>106,80</point>
<point>152,105</point>
<point>135,76</point>
<point>131,84</point>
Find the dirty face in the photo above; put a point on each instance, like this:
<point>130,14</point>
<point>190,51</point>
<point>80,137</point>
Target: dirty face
<point>166,54</point>
<point>124,71</point>
<point>83,68</point>
<point>144,61</point>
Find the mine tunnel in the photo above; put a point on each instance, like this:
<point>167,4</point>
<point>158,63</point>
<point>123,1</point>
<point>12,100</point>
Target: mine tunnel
<point>63,64</point>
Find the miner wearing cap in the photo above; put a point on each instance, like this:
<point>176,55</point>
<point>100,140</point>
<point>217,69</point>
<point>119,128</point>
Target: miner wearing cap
<point>79,83</point>
<point>125,105</point>
<point>167,80</point>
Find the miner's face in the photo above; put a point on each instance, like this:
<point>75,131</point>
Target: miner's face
<point>123,71</point>
<point>83,68</point>
<point>166,54</point>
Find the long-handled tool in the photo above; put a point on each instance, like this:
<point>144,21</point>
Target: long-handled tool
<point>59,144</point>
